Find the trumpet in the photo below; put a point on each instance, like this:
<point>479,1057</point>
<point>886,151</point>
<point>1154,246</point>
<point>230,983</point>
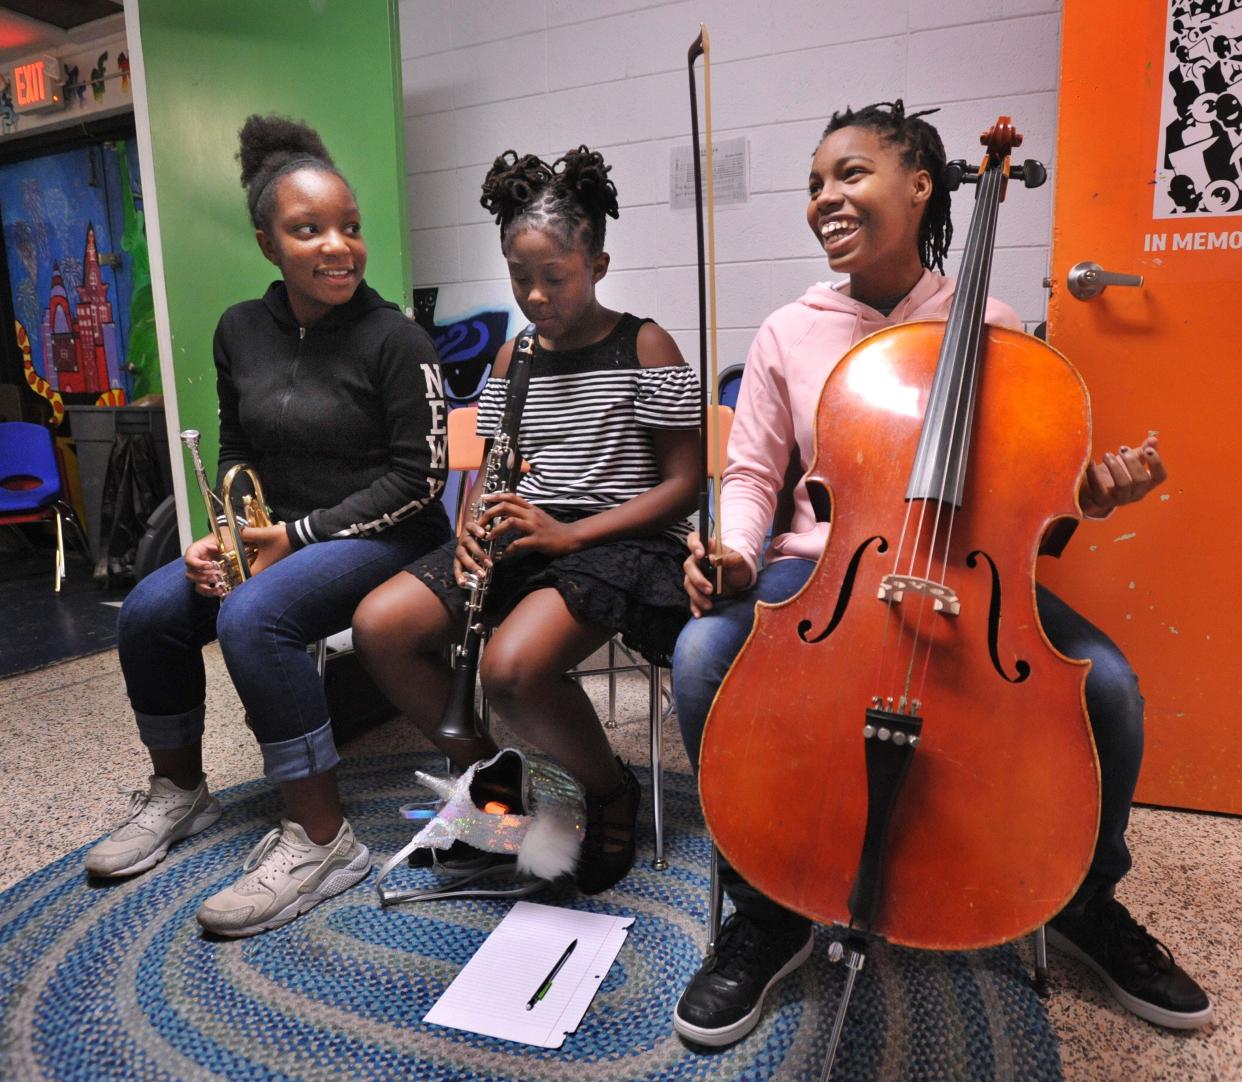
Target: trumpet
<point>234,563</point>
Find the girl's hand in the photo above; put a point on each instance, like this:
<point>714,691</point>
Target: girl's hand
<point>265,545</point>
<point>469,557</point>
<point>201,567</point>
<point>1124,476</point>
<point>508,512</point>
<point>736,573</point>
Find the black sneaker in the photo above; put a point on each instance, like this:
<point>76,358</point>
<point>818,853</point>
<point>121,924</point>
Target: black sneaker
<point>1138,969</point>
<point>724,1000</point>
<point>459,859</point>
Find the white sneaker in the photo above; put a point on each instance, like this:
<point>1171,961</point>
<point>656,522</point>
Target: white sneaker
<point>156,818</point>
<point>285,875</point>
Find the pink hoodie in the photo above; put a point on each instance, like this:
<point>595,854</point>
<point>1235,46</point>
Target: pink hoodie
<point>795,349</point>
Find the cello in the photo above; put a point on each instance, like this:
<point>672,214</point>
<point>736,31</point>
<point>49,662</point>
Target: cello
<point>898,749</point>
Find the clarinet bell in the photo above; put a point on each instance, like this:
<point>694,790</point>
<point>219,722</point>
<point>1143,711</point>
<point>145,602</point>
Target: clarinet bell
<point>459,721</point>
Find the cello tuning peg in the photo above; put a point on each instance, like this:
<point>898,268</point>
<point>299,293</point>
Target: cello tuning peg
<point>955,174</point>
<point>1030,172</point>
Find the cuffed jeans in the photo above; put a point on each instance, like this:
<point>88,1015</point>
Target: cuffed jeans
<point>264,627</point>
<point>708,645</point>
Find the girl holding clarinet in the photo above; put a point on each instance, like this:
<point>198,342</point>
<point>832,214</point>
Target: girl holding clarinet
<point>590,542</point>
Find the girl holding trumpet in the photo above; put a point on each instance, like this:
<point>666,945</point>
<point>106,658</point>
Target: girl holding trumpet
<point>333,396</point>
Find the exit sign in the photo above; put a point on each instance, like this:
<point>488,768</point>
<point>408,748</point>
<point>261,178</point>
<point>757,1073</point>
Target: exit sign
<point>37,85</point>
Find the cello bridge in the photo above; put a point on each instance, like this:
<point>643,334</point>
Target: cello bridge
<point>944,598</point>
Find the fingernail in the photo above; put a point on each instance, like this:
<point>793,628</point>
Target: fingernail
<point>1124,450</point>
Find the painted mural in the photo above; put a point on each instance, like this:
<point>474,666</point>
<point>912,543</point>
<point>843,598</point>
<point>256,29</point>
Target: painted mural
<point>1199,171</point>
<point>466,342</point>
<point>64,218</point>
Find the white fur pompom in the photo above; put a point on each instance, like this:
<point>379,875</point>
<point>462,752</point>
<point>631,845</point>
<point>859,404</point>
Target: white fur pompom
<point>550,848</point>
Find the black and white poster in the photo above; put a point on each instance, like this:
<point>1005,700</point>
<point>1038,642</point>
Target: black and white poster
<point>1199,163</point>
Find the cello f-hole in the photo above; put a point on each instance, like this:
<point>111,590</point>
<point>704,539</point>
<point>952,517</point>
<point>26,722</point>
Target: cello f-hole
<point>1021,667</point>
<point>843,596</point>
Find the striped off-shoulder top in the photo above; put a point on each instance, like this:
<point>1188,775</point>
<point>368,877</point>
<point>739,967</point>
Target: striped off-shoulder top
<point>587,426</point>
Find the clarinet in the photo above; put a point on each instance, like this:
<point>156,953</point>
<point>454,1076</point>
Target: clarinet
<point>501,470</point>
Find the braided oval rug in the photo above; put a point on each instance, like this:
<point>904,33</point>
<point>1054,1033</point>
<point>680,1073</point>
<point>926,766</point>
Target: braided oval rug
<point>116,982</point>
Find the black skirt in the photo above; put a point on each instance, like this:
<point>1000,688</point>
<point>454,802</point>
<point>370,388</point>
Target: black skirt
<point>633,587</point>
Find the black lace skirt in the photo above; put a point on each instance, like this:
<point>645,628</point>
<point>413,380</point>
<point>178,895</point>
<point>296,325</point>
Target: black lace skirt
<point>633,587</point>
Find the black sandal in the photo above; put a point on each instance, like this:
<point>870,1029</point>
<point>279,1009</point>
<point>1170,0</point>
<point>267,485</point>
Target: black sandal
<point>608,848</point>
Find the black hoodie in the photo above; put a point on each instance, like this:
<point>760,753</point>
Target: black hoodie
<point>344,421</point>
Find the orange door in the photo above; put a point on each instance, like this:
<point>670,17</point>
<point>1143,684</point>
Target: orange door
<point>1148,179</point>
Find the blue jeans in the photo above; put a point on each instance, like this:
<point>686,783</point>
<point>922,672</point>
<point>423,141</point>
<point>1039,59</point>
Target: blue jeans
<point>264,627</point>
<point>707,647</point>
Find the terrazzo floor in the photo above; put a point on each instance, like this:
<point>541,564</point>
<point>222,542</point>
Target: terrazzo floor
<point>68,747</point>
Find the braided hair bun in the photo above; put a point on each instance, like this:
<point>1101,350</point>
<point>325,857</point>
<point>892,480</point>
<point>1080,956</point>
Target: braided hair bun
<point>512,184</point>
<point>273,146</point>
<point>571,199</point>
<point>584,172</point>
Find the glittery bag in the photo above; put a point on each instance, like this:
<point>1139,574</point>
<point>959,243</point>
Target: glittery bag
<point>543,830</point>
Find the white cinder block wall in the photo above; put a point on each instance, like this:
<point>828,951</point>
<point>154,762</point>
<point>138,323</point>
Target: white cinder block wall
<point>540,76</point>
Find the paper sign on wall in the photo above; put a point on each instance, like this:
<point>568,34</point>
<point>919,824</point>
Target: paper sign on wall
<point>730,172</point>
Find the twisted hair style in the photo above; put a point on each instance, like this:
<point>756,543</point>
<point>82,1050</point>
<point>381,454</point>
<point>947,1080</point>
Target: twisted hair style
<point>572,198</point>
<point>921,148</point>
<point>272,147</point>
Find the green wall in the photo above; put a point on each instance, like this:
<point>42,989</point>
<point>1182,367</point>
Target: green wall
<point>208,65</point>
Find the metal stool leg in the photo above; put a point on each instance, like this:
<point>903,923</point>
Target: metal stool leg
<point>321,656</point>
<point>656,703</point>
<point>715,900</point>
<point>1039,939</point>
<point>611,723</point>
<point>60,552</point>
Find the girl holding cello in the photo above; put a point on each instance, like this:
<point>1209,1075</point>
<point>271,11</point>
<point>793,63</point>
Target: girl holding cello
<point>878,205</point>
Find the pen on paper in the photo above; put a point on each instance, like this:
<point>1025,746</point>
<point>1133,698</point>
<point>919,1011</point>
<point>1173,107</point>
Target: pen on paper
<point>546,986</point>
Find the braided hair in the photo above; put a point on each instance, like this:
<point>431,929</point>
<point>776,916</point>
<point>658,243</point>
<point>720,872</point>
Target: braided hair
<point>921,148</point>
<point>273,147</point>
<point>572,198</point>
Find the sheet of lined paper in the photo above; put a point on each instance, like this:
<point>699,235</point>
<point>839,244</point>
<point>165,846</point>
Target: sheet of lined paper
<point>490,994</point>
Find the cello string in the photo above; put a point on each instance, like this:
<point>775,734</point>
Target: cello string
<point>962,342</point>
<point>980,273</point>
<point>971,348</point>
<point>957,341</point>
<point>961,338</point>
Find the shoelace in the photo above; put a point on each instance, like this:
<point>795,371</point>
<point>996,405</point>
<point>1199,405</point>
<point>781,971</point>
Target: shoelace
<point>267,846</point>
<point>737,952</point>
<point>139,799</point>
<point>1142,949</point>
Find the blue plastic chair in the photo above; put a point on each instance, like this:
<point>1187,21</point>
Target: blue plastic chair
<point>31,489</point>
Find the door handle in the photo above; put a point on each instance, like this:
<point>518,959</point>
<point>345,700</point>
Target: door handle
<point>1087,280</point>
